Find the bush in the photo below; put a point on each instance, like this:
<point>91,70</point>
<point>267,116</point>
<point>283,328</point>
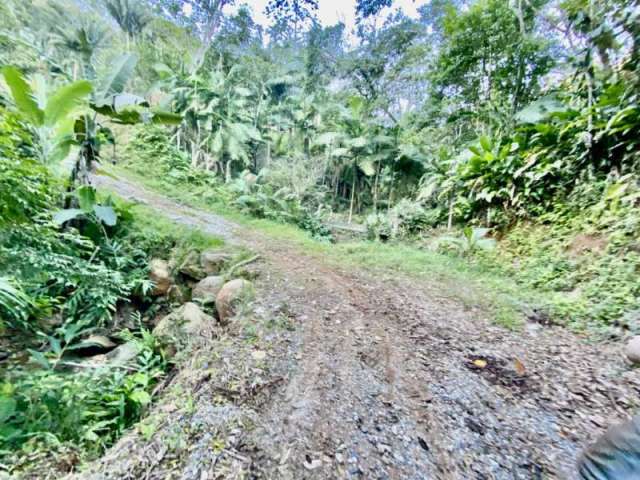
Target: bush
<point>27,189</point>
<point>405,219</point>
<point>86,410</point>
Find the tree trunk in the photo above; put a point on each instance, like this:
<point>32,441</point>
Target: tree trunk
<point>227,173</point>
<point>210,30</point>
<point>450,219</point>
<point>375,190</point>
<point>353,191</point>
<point>268,154</point>
<point>195,147</point>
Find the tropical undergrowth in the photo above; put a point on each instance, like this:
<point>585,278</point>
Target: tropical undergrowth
<point>270,195</point>
<point>63,282</point>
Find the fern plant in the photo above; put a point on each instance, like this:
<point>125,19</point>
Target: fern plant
<point>15,304</point>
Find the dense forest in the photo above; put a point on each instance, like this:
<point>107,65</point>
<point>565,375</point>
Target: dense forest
<point>503,135</point>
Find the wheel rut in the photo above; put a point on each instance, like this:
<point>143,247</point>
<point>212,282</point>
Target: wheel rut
<point>384,377</point>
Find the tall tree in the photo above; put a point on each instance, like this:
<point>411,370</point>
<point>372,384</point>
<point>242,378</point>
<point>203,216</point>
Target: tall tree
<point>129,15</point>
<point>291,19</point>
<point>491,57</point>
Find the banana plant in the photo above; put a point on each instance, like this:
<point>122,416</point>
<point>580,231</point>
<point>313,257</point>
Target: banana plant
<point>70,116</point>
<point>89,209</point>
<point>110,100</point>
<point>50,117</point>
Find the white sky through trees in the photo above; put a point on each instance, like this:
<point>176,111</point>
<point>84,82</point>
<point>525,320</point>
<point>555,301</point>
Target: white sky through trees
<point>330,12</point>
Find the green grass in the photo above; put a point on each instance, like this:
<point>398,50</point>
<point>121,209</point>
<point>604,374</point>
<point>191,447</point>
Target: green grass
<point>148,222</point>
<point>471,284</point>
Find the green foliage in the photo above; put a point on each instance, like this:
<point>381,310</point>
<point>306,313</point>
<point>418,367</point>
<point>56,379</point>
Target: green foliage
<point>150,150</point>
<point>282,205</point>
<point>58,284</point>
<point>404,220</point>
<point>85,410</point>
<point>26,188</point>
<point>51,116</point>
<point>129,15</point>
<point>15,304</point>
<point>504,66</point>
<point>470,241</point>
<point>89,208</point>
<point>450,118</point>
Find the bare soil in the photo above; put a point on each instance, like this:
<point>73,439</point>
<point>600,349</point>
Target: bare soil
<point>342,374</point>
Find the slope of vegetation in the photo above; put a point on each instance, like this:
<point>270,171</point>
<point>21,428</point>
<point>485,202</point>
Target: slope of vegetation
<point>494,137</point>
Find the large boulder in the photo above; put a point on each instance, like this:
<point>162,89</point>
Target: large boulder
<point>178,294</point>
<point>207,289</point>
<point>191,267</point>
<point>160,276</point>
<point>184,323</point>
<point>214,261</point>
<point>632,350</point>
<point>93,345</point>
<point>123,354</point>
<point>231,296</point>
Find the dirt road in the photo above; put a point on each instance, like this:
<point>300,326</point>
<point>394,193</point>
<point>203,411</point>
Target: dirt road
<point>342,374</point>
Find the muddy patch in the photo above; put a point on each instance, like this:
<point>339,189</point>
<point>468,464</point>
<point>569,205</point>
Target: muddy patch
<point>498,371</point>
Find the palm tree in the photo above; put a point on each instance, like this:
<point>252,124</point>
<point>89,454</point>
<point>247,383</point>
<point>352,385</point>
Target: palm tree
<point>84,37</point>
<point>85,40</point>
<point>129,16</point>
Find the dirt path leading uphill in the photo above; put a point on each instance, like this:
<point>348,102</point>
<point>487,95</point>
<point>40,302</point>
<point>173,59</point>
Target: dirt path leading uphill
<point>364,377</point>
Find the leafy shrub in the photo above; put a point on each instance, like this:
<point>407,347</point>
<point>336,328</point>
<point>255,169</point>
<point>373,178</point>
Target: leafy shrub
<point>584,257</point>
<point>470,241</point>
<point>86,410</point>
<point>26,188</point>
<point>15,304</point>
<point>68,268</point>
<point>405,219</point>
<point>282,205</point>
<point>150,150</point>
<point>378,226</point>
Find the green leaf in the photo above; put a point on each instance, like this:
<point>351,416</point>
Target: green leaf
<point>23,95</point>
<point>539,110</point>
<point>63,216</point>
<point>163,117</point>
<point>163,70</point>
<point>7,408</point>
<point>140,396</point>
<point>485,142</point>
<point>359,142</point>
<point>65,100</point>
<point>60,149</point>
<point>39,358</point>
<point>106,214</point>
<point>615,190</point>
<point>86,198</point>
<point>128,116</point>
<point>56,347</point>
<point>119,74</point>
<point>367,167</point>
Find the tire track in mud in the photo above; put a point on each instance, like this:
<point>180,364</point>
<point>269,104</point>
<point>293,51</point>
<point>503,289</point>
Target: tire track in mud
<point>388,379</point>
